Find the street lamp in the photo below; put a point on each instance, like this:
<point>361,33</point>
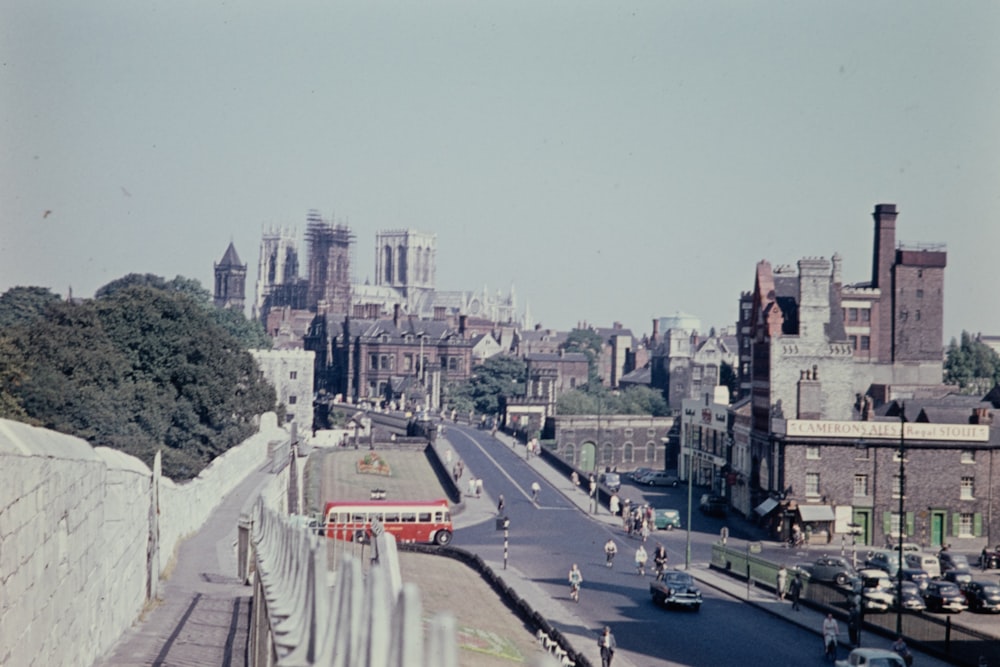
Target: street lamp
<point>690,460</point>
<point>902,493</point>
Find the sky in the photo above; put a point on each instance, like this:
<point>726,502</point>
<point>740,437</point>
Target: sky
<point>613,161</point>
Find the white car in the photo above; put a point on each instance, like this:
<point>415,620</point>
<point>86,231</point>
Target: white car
<point>877,593</point>
<point>872,657</point>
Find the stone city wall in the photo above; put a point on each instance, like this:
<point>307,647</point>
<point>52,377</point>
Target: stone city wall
<point>75,534</point>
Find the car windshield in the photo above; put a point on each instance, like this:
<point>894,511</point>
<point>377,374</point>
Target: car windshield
<point>678,579</point>
<point>948,589</point>
<point>991,589</point>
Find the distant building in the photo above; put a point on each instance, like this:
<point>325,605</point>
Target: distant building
<point>685,365</point>
<point>278,281</point>
<point>290,372</point>
<point>230,281</point>
<point>599,442</point>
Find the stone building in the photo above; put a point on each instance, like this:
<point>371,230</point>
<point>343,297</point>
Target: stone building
<point>230,281</point>
<point>706,441</point>
<point>685,365</point>
<point>599,442</point>
<point>278,283</point>
<point>550,375</point>
<point>290,372</point>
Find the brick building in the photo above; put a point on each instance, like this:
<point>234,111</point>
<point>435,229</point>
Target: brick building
<point>597,442</point>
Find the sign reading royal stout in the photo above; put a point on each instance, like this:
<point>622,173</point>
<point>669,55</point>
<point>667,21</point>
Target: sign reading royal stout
<point>818,428</point>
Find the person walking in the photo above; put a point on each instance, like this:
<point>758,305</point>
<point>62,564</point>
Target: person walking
<point>500,504</point>
<point>782,579</point>
<point>614,505</point>
<point>535,490</point>
<point>608,646</point>
<point>640,560</point>
<point>795,591</point>
<point>660,561</point>
<point>830,633</point>
<point>644,530</point>
<point>575,478</point>
<point>575,580</point>
<point>479,487</point>
<point>610,550</point>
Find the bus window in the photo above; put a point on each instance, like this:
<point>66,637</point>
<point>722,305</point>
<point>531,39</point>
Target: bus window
<point>408,517</point>
<point>424,517</point>
<point>392,517</point>
<point>359,518</point>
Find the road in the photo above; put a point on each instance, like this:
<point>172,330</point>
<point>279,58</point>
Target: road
<point>546,539</point>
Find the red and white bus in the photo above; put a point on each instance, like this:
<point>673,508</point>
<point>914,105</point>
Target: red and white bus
<point>409,520</point>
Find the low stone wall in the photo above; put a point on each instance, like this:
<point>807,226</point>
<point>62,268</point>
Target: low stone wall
<point>77,562</point>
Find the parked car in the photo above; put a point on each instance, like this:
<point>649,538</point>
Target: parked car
<point>918,577</point>
<point>677,589</point>
<point>872,657</point>
<point>910,599</point>
<point>944,596</point>
<point>611,480</point>
<point>833,568</point>
<point>982,596</point>
<point>883,559</point>
<point>990,560</point>
<point>960,577</point>
<point>952,561</point>
<point>922,561</point>
<point>877,592</point>
<point>712,505</point>
<point>639,472</point>
<point>659,478</point>
<point>664,519</point>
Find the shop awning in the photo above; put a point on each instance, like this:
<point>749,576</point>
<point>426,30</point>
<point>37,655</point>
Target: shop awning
<point>765,507</point>
<point>816,513</point>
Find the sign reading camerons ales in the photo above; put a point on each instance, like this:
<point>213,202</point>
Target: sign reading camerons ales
<point>810,428</point>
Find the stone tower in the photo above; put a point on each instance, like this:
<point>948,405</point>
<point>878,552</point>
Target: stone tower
<point>329,265</point>
<point>405,259</point>
<point>230,281</point>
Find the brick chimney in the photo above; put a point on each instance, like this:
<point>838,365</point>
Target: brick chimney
<point>461,325</point>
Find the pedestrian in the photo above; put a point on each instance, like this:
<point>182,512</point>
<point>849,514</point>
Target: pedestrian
<point>626,511</point>
<point>479,487</point>
<point>535,490</point>
<point>575,478</point>
<point>608,646</point>
<point>854,625</point>
<point>830,632</point>
<point>660,561</point>
<point>900,648</point>
<point>472,486</point>
<point>795,590</point>
<point>500,504</point>
<point>644,530</point>
<point>456,472</point>
<point>614,504</point>
<point>984,559</point>
<point>575,580</point>
<point>782,579</point>
<point>640,560</point>
<point>610,549</point>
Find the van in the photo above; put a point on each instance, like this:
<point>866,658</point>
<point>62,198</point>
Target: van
<point>921,561</point>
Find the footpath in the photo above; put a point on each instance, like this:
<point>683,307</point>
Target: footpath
<point>562,617</point>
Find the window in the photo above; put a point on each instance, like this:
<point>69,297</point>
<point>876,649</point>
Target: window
<point>373,362</point>
<point>293,375</point>
<point>966,523</point>
<point>861,485</point>
<point>968,488</point>
<point>852,314</point>
<point>608,454</point>
<point>627,455</point>
<point>650,452</point>
<point>289,417</point>
<point>866,315</point>
<point>917,315</point>
<point>894,524</point>
<point>854,342</point>
<point>968,456</point>
<point>812,483</point>
<point>866,342</point>
<point>628,432</point>
<point>408,362</point>
<point>897,485</point>
<point>569,454</point>
<point>651,433</point>
<point>292,400</point>
<point>920,294</point>
<point>812,451</point>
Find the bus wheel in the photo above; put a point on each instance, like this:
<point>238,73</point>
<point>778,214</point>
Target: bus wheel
<point>442,538</point>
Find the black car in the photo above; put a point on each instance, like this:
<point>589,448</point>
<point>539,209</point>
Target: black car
<point>833,568</point>
<point>982,596</point>
<point>944,596</point>
<point>713,505</point>
<point>960,577</point>
<point>910,600</point>
<point>676,589</point>
<point>917,576</point>
<point>950,561</point>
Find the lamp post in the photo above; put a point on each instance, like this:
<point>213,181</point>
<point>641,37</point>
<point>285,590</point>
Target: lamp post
<point>902,494</point>
<point>690,473</point>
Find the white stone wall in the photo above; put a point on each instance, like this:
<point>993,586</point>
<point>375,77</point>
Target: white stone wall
<point>74,525</point>
<point>290,372</point>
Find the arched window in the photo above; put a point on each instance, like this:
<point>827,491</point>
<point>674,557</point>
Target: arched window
<point>650,452</point>
<point>608,454</point>
<point>627,454</point>
<point>387,265</point>
<point>401,265</point>
<point>569,454</point>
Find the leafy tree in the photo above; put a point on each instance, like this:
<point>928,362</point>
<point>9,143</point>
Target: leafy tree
<point>728,378</point>
<point>180,284</point>
<point>590,343</point>
<point>631,401</point>
<point>500,375</point>
<point>250,333</point>
<point>972,365</point>
<point>12,376</point>
<point>21,305</point>
<point>642,401</point>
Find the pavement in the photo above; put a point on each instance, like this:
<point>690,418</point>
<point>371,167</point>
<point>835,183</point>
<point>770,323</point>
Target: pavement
<point>562,616</point>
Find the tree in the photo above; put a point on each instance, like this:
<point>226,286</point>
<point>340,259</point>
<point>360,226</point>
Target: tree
<point>972,365</point>
<point>601,401</point>
<point>20,305</point>
<point>590,343</point>
<point>250,333</point>
<point>500,375</point>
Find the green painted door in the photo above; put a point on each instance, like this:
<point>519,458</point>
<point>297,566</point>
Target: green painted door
<point>937,529</point>
<point>588,456</point>
<point>863,518</point>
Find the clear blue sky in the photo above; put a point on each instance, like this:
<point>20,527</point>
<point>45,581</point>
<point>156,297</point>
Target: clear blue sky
<point>614,161</point>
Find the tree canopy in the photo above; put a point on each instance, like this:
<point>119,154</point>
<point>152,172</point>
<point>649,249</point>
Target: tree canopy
<point>143,366</point>
<point>590,343</point>
<point>972,365</point>
<point>498,376</point>
<point>631,401</point>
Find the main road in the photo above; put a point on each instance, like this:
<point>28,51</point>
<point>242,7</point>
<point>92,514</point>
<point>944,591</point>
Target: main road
<point>547,538</point>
